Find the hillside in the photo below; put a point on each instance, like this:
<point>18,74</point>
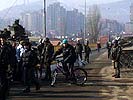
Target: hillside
<point>118,10</point>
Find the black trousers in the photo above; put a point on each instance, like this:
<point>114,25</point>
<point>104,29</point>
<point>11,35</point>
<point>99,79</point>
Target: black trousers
<point>30,77</point>
<point>4,85</point>
<point>117,68</point>
<point>87,57</point>
<point>48,71</point>
<point>79,55</point>
<point>68,68</point>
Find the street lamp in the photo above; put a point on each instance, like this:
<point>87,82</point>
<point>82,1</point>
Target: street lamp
<point>44,18</point>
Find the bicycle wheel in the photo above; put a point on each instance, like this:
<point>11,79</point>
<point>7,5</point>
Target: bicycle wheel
<point>80,76</point>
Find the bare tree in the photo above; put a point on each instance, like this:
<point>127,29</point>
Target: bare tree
<point>93,23</point>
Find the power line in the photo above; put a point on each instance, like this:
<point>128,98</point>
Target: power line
<point>10,9</point>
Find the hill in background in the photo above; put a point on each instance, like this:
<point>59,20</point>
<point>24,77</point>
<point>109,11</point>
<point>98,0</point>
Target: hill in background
<point>118,10</point>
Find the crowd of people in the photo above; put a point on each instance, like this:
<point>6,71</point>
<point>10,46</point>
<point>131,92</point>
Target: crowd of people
<point>18,61</point>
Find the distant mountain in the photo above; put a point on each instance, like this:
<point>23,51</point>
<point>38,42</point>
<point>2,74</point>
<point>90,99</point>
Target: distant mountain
<point>118,10</point>
<point>17,10</point>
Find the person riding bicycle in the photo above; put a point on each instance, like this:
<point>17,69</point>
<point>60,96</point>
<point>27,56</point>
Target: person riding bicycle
<point>69,57</point>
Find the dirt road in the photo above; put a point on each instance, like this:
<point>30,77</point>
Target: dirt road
<point>100,86</point>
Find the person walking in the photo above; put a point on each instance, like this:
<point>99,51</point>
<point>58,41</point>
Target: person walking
<point>109,46</point>
<point>40,48</point>
<point>87,52</point>
<point>98,46</point>
<point>29,61</point>
<point>47,53</point>
<point>78,50</point>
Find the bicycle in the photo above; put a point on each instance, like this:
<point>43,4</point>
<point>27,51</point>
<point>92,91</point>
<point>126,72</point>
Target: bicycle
<point>79,78</point>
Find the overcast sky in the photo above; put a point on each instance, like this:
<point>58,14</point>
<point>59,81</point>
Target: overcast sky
<point>8,3</point>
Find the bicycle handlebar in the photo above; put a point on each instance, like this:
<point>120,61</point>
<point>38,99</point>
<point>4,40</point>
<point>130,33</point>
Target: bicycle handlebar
<point>59,58</point>
<point>58,61</point>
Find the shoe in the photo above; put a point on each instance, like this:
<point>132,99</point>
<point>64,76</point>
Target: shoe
<point>65,81</point>
<point>52,85</point>
<point>114,75</point>
<point>117,76</point>
<point>37,87</point>
<point>44,79</point>
<point>73,81</point>
<point>27,90</point>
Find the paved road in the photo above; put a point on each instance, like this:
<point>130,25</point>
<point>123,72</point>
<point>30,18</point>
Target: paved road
<point>100,85</point>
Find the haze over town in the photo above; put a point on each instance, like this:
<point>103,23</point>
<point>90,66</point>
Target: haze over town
<point>8,3</point>
<point>114,12</point>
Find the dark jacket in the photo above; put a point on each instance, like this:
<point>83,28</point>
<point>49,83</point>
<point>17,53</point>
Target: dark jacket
<point>5,55</point>
<point>87,49</point>
<point>29,58</point>
<point>13,54</point>
<point>18,29</point>
<point>40,47</point>
<point>47,53</point>
<point>78,48</point>
<point>116,53</point>
<point>68,52</point>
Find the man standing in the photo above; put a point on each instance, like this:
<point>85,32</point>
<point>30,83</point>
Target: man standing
<point>87,51</point>
<point>40,48</point>
<point>79,49</point>
<point>5,66</point>
<point>19,52</point>
<point>115,55</point>
<point>29,61</point>
<point>18,29</point>
<point>47,53</point>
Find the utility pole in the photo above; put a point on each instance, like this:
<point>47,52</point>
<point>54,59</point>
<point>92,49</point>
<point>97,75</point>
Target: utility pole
<point>85,22</point>
<point>44,18</point>
<point>26,2</point>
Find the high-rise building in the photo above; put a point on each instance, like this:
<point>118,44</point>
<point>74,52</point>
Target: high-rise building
<point>111,27</point>
<point>59,21</point>
<point>56,19</point>
<point>32,21</point>
<point>26,20</point>
<point>74,22</point>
